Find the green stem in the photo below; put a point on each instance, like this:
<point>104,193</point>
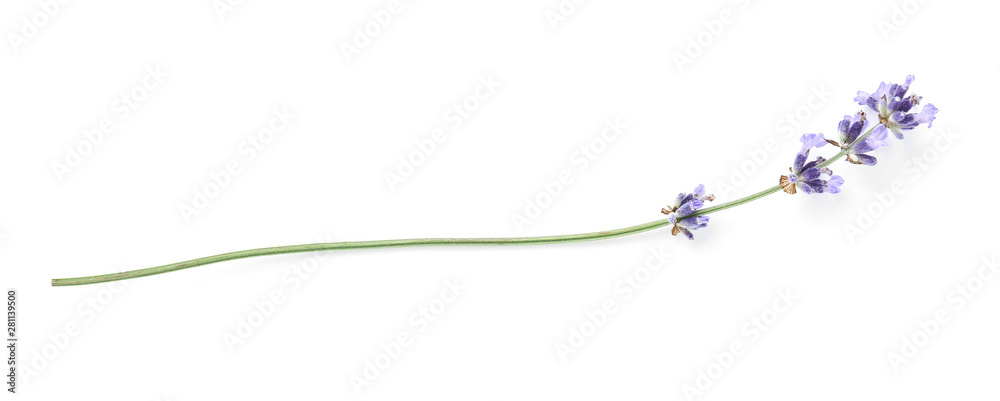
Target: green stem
<point>331,246</point>
<point>737,202</point>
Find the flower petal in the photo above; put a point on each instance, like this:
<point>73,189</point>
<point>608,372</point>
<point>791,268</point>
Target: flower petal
<point>867,160</point>
<point>926,115</point>
<point>833,184</point>
<point>810,141</point>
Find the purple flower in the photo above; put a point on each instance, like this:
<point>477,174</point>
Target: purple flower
<point>810,141</point>
<point>851,127</point>
<point>894,107</point>
<point>874,141</point>
<point>808,175</point>
<point>685,205</point>
<point>850,130</point>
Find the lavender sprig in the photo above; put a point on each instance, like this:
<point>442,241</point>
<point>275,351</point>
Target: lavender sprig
<point>895,110</point>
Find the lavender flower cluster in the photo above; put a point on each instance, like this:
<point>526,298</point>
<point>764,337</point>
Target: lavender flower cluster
<point>685,205</point>
<point>896,111</point>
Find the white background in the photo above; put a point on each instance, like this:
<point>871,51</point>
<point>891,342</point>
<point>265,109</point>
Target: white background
<point>775,63</point>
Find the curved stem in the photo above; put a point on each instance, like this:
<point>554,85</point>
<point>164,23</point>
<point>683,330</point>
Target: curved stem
<point>394,243</point>
<point>737,202</point>
<point>329,246</point>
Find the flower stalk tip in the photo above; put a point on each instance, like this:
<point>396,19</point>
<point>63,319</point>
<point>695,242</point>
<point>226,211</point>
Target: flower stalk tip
<point>895,111</point>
